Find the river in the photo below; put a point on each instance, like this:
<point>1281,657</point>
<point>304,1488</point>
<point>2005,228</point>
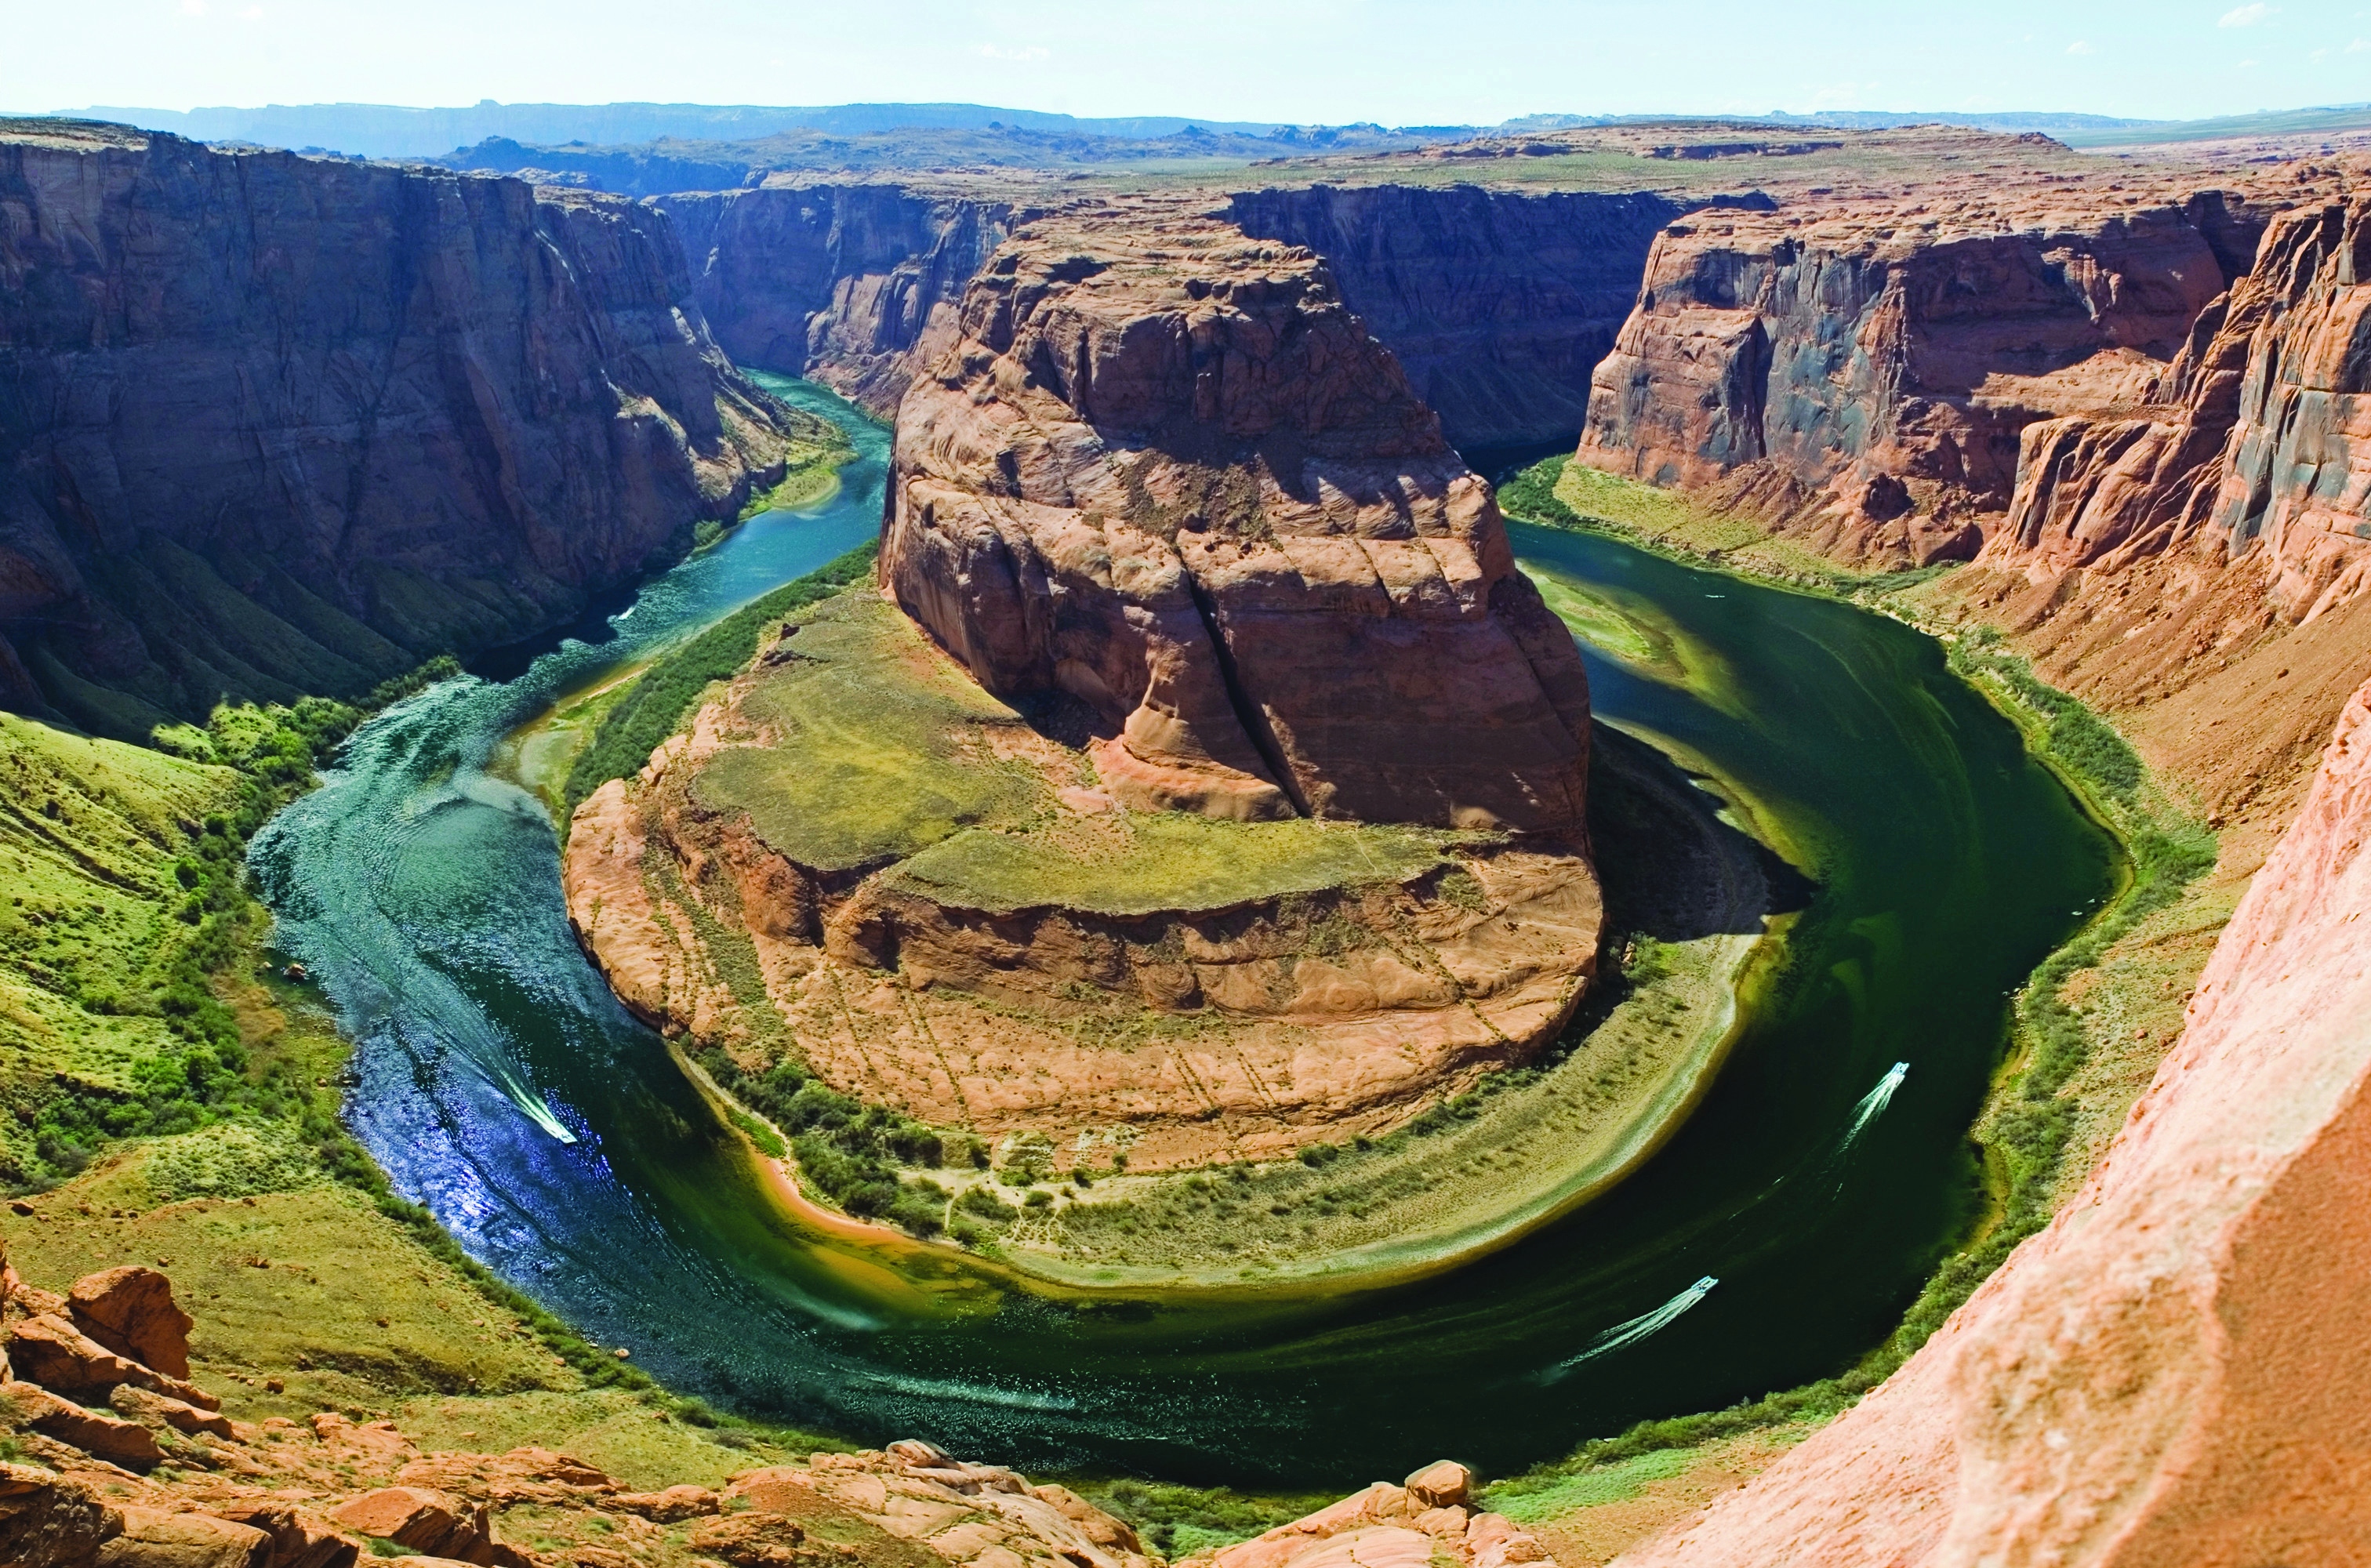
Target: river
<point>499,1082</point>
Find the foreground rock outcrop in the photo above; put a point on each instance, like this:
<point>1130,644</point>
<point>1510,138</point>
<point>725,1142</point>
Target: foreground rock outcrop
<point>278,425</point>
<point>1427,1520</point>
<point>158,1483</point>
<point>2167,1375</point>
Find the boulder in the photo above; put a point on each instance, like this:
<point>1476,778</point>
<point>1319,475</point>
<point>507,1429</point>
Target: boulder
<point>1444,1484</point>
<point>152,1538</point>
<point>754,1540</point>
<point>152,1409</point>
<point>430,1522</point>
<point>1112,1534</point>
<point>671,1506</point>
<point>48,1350</point>
<point>299,1538</point>
<point>47,1521</point>
<point>131,1311</point>
<point>94,1432</point>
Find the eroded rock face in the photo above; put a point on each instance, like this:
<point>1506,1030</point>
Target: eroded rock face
<point>2166,1374</point>
<point>1498,304</point>
<point>1165,472</point>
<point>278,425</point>
<point>855,285</point>
<point>2260,440</point>
<point>1866,369</point>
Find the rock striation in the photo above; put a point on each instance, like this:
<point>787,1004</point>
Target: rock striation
<point>2259,438</point>
<point>855,285</point>
<point>1165,472</point>
<point>1498,305</point>
<point>277,425</point>
<point>2162,1375</point>
<point>1874,364</point>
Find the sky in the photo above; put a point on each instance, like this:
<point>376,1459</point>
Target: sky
<point>1399,62</point>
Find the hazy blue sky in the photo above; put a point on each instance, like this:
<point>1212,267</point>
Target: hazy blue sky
<point>1402,62</point>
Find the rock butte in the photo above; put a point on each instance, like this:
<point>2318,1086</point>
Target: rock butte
<point>1161,476</point>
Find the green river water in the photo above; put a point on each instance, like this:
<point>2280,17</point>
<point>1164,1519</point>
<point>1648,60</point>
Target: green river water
<point>501,1084</point>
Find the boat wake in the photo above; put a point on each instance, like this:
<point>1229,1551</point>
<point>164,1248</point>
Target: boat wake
<point>1872,1104</point>
<point>1637,1329</point>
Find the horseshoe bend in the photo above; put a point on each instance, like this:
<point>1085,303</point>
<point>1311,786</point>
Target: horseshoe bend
<point>919,836</point>
<point>1196,778</point>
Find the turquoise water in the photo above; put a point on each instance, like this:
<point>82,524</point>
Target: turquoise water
<point>501,1085</point>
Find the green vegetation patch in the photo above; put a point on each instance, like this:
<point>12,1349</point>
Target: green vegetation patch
<point>637,721</point>
<point>127,915</point>
<point>848,1151</point>
<point>1147,862</point>
<point>877,750</point>
<point>1545,1499</point>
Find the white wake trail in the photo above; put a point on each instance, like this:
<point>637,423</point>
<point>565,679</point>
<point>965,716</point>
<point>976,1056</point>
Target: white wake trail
<point>1872,1104</point>
<point>1637,1328</point>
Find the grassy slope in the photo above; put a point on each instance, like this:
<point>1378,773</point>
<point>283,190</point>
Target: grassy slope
<point>90,834</point>
<point>881,752</point>
<point>637,718</point>
<point>2090,1024</point>
<point>168,1100</point>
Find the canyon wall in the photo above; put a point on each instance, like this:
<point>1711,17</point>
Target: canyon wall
<point>276,425</point>
<point>1498,304</point>
<point>2196,562</point>
<point>855,286</point>
<point>1866,370</point>
<point>1166,472</point>
<point>2169,1374</point>
<point>2260,436</point>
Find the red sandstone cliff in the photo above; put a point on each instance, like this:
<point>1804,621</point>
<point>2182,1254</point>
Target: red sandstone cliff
<point>1165,472</point>
<point>2171,1373</point>
<point>275,424</point>
<point>1871,364</point>
<point>2259,439</point>
<point>855,285</point>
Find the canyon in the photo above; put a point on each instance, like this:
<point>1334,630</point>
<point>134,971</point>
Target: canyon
<point>1179,534</point>
<point>280,426</point>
